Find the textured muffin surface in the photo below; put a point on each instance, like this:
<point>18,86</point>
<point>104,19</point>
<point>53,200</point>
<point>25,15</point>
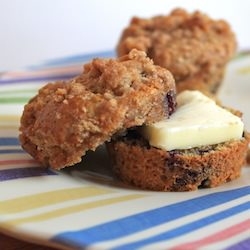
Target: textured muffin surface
<point>67,118</point>
<point>147,167</point>
<point>194,47</point>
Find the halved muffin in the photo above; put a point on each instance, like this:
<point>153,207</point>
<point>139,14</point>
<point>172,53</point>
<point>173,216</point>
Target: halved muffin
<point>200,145</point>
<point>68,118</point>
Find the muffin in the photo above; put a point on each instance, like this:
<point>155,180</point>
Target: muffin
<point>68,118</point>
<point>192,46</point>
<point>186,152</point>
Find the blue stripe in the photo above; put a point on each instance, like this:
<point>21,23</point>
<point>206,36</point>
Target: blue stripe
<point>38,79</point>
<point>9,141</point>
<point>17,173</point>
<point>179,231</point>
<point>243,245</point>
<point>80,58</point>
<point>145,220</point>
<point>12,151</point>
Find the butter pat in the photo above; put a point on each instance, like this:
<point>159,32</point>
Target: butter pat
<point>198,121</point>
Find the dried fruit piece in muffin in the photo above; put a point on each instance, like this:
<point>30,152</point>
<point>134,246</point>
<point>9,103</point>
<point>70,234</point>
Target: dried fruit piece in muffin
<point>194,47</point>
<point>68,118</point>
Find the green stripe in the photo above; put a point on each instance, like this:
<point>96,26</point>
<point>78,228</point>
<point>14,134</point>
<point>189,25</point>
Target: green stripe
<point>13,91</point>
<point>17,95</point>
<point>241,55</point>
<point>14,100</point>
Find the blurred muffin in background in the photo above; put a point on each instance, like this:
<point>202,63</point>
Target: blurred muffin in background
<point>194,47</point>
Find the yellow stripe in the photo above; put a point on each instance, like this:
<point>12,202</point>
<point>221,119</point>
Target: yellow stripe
<point>11,118</point>
<point>9,127</point>
<point>49,198</point>
<point>9,147</point>
<point>244,70</point>
<point>15,156</point>
<point>73,209</point>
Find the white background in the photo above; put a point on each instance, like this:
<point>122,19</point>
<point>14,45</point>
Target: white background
<point>36,30</point>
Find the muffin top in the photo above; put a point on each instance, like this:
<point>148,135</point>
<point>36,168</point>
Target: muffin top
<point>68,118</point>
<point>186,44</point>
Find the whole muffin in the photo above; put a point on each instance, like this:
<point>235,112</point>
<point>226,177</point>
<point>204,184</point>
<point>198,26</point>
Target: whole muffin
<point>194,47</point>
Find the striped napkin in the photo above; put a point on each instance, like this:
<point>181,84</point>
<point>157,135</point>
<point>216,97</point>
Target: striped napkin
<point>86,207</point>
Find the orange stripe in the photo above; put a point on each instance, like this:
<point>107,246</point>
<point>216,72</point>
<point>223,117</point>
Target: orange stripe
<point>66,69</point>
<point>10,162</point>
<point>217,237</point>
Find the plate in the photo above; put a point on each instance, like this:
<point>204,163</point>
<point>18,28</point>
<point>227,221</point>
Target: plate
<point>86,207</point>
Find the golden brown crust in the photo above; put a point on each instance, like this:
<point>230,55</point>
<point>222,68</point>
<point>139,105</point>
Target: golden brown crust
<point>248,150</point>
<point>194,47</point>
<point>68,118</point>
<point>147,167</point>
<point>248,157</point>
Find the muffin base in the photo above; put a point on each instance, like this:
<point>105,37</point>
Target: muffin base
<point>137,163</point>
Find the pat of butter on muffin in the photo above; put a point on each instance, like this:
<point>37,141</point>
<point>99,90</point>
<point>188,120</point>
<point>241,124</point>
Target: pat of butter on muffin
<point>198,121</point>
